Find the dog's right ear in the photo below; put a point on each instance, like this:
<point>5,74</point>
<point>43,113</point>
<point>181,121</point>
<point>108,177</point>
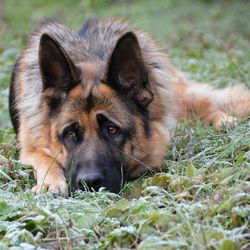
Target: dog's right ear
<point>58,72</point>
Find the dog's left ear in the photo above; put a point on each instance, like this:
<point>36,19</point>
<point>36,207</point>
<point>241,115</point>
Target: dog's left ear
<point>126,71</point>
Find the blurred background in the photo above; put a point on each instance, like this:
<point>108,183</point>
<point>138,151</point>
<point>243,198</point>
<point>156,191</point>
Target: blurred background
<point>170,21</point>
<point>207,38</point>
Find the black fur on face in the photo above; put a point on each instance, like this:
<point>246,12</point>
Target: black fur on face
<point>105,170</point>
<point>95,161</point>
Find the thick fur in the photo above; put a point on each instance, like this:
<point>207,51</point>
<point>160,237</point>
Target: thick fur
<point>168,98</point>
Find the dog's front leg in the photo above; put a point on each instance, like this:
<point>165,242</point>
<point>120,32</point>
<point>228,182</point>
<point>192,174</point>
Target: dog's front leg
<point>49,174</point>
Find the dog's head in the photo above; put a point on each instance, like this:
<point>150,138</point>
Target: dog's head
<point>99,118</point>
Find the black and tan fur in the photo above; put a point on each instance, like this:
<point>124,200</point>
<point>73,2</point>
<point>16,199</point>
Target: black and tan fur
<point>96,106</point>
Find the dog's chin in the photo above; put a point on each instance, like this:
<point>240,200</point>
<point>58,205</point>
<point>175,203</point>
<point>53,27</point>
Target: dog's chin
<point>115,188</point>
<point>113,184</point>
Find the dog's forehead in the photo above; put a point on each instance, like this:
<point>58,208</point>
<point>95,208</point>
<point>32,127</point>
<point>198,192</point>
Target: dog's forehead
<point>92,97</point>
<point>99,99</point>
<point>91,73</point>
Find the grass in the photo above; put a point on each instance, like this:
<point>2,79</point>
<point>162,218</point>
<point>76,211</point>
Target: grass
<point>201,198</point>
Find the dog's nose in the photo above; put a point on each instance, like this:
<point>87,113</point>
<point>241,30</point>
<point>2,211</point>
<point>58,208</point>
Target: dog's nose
<point>91,180</point>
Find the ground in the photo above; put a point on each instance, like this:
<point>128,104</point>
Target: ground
<point>201,198</point>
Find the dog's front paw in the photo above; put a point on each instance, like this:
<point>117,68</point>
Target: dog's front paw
<point>59,188</point>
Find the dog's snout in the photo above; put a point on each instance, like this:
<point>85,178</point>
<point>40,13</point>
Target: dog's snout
<point>92,180</point>
<point>93,174</point>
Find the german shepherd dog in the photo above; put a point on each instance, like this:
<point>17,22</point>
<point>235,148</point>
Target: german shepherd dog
<point>95,108</point>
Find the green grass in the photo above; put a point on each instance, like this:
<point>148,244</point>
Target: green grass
<point>200,200</point>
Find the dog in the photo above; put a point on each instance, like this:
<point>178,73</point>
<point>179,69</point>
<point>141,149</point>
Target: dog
<point>95,108</point>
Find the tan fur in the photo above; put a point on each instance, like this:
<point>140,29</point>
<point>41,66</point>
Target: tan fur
<point>175,99</point>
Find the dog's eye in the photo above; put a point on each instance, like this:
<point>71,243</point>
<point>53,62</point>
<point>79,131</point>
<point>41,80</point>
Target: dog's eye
<point>71,135</point>
<point>113,130</point>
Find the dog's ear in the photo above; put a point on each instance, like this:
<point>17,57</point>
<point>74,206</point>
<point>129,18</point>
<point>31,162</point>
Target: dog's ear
<point>126,71</point>
<point>58,72</point>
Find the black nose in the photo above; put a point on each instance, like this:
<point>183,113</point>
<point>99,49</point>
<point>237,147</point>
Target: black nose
<point>90,181</point>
